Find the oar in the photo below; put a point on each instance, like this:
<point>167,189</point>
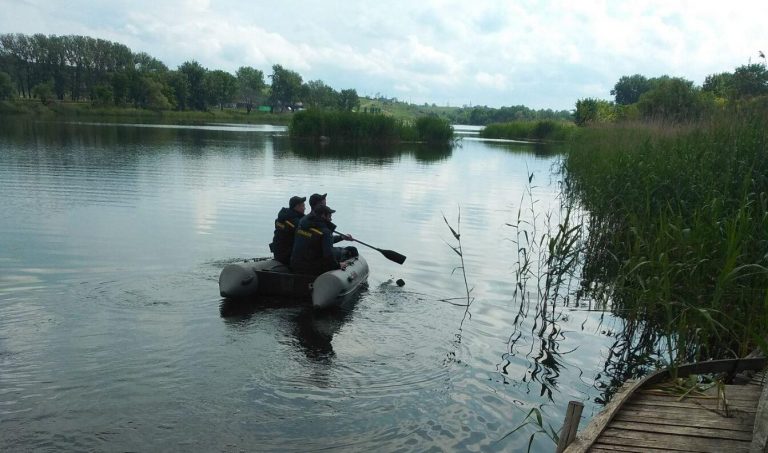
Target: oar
<point>389,254</point>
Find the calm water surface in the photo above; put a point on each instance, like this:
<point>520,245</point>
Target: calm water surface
<point>113,335</point>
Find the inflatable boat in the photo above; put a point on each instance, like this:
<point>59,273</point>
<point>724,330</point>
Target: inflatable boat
<point>268,277</point>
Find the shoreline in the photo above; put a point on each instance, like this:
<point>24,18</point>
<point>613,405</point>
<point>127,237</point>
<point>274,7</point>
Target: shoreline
<point>86,111</point>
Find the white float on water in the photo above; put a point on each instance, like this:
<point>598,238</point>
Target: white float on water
<point>268,277</point>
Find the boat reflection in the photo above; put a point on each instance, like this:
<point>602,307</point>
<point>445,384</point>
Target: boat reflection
<point>311,330</point>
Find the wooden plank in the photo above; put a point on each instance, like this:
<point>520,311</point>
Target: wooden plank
<point>630,446</point>
<point>673,442</point>
<point>685,419</point>
<point>598,423</point>
<point>605,448</point>
<point>710,433</point>
<point>747,406</point>
<point>760,433</point>
<point>732,392</point>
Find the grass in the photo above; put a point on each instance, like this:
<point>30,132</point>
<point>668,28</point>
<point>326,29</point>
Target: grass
<point>85,110</point>
<point>339,126</point>
<point>678,222</point>
<point>530,130</point>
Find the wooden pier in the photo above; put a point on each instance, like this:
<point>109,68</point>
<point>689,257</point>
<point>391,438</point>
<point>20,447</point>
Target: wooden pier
<point>641,417</point>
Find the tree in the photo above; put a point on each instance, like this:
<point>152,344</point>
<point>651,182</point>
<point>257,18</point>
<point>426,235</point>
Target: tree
<point>221,87</point>
<point>195,77</point>
<point>286,87</point>
<point>178,89</point>
<point>250,85</point>
<point>103,95</point>
<point>721,85</point>
<point>43,91</point>
<point>590,111</point>
<point>348,100</point>
<point>629,89</point>
<point>6,86</point>
<point>672,99</point>
<point>318,95</point>
<point>145,63</point>
<point>750,80</point>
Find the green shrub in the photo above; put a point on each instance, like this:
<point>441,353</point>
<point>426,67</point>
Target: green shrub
<point>529,130</point>
<point>678,219</point>
<point>362,127</point>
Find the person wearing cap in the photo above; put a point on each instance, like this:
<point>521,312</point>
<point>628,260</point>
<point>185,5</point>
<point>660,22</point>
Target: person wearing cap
<point>285,227</point>
<point>313,251</point>
<point>317,200</point>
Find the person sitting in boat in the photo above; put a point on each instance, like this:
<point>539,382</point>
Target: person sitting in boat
<point>313,252</point>
<point>341,253</point>
<point>285,228</point>
<point>316,200</point>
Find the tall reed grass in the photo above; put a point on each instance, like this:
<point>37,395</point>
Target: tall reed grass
<point>530,130</point>
<point>678,229</point>
<point>344,126</point>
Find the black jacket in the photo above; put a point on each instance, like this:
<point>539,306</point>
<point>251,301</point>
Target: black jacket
<point>313,247</point>
<point>285,227</point>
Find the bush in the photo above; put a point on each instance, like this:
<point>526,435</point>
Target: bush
<point>433,129</point>
<point>678,218</point>
<point>363,127</point>
<point>6,86</point>
<point>529,130</point>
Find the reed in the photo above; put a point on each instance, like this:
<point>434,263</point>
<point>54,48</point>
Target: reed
<point>342,126</point>
<point>548,130</point>
<point>678,222</point>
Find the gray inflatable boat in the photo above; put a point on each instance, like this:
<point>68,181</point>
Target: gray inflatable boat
<point>268,277</point>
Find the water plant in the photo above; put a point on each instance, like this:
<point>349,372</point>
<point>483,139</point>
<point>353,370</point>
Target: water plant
<point>530,130</point>
<point>677,224</point>
<point>343,126</point>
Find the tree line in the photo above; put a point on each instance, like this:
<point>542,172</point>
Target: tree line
<point>482,115</point>
<point>676,99</point>
<point>81,68</point>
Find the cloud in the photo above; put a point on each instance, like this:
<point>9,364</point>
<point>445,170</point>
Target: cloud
<point>542,54</point>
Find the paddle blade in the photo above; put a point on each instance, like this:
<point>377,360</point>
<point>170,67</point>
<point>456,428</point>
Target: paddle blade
<point>393,256</point>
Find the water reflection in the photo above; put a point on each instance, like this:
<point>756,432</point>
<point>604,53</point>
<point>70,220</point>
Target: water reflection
<point>311,330</point>
<point>114,236</point>
<point>381,154</point>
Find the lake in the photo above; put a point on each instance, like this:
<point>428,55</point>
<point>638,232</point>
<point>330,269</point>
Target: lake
<point>113,335</point>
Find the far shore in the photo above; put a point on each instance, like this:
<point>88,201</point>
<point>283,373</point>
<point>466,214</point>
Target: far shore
<point>86,111</point>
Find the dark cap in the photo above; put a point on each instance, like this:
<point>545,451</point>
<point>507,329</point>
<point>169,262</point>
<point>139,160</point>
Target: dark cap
<point>315,198</point>
<point>295,200</point>
<point>323,210</point>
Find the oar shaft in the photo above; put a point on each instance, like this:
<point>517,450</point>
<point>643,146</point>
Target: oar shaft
<point>358,240</point>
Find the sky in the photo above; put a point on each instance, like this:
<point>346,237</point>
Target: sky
<point>543,54</point>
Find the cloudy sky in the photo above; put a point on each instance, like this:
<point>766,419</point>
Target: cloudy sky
<point>544,54</point>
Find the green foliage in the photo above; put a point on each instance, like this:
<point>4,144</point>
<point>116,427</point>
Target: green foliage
<point>672,99</point>
<point>678,219</point>
<point>348,100</point>
<point>432,129</point>
<point>194,74</point>
<point>719,84</point>
<point>286,88</point>
<point>590,111</point>
<point>6,86</point>
<point>750,80</point>
<point>103,95</point>
<point>529,130</point>
<point>482,115</point>
<point>629,89</point>
<point>221,87</point>
<point>250,86</point>
<point>43,91</point>
<point>318,95</point>
<point>344,126</point>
